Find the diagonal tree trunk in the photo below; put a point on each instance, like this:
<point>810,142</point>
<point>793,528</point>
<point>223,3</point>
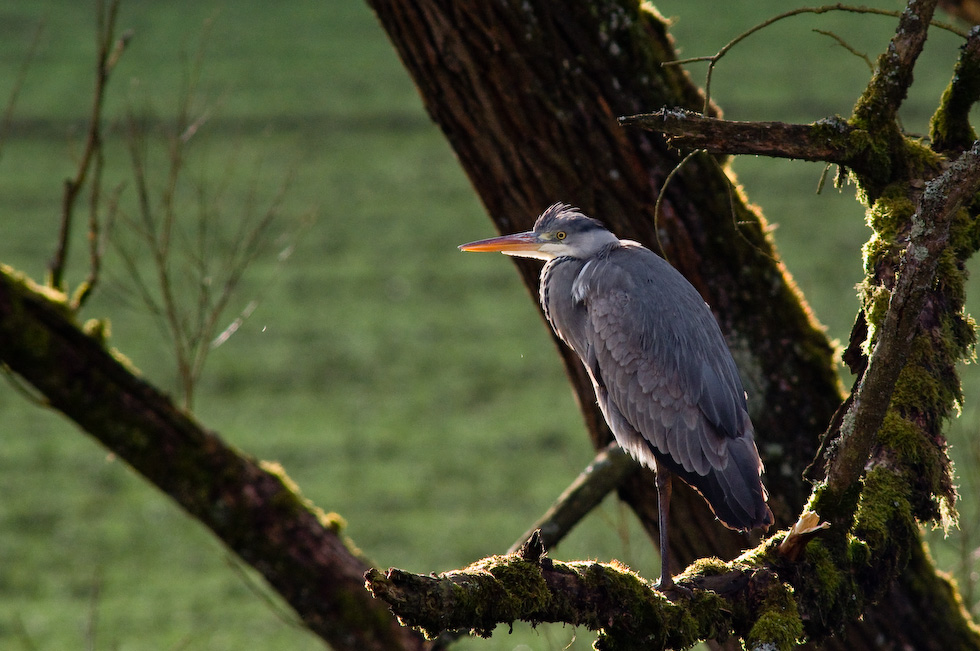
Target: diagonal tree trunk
<point>528,94</point>
<point>252,507</point>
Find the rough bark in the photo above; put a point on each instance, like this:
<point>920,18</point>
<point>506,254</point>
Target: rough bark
<point>530,586</point>
<point>252,507</point>
<point>528,94</point>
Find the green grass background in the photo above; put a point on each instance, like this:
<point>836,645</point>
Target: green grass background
<point>407,387</point>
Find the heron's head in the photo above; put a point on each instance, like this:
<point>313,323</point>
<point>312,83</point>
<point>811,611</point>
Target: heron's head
<point>560,231</point>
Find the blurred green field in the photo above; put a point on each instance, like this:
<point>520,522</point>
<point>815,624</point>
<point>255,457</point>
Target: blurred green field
<point>413,390</point>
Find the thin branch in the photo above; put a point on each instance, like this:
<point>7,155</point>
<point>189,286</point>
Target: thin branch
<point>847,46</point>
<point>715,58</point>
<point>950,127</point>
<point>252,506</point>
<point>108,56</point>
<point>893,75</point>
<point>658,206</point>
<point>607,471</point>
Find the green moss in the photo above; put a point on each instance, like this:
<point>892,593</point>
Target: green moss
<point>52,295</point>
<point>921,160</point>
<point>884,519</point>
<point>920,385</point>
<point>500,589</point>
<point>964,236</point>
<point>903,437</point>
<point>527,590</point>
<point>950,125</point>
<point>709,566</point>
<point>335,522</point>
<point>98,329</point>
<point>708,617</point>
<point>765,552</point>
<point>293,498</point>
<point>928,390</point>
<point>858,553</point>
<point>874,300</point>
<point>827,592</point>
<point>824,570</point>
<point>891,211</point>
<point>876,154</point>
<point>779,625</point>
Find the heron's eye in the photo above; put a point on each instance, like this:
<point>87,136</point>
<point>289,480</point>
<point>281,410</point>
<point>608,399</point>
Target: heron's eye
<point>560,235</point>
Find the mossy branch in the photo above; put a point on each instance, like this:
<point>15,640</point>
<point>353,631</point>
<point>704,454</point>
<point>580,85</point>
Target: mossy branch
<point>715,601</point>
<point>941,199</point>
<point>950,128</point>
<point>888,88</point>
<point>828,140</point>
<point>251,506</point>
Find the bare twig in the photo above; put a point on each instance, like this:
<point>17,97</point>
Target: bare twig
<point>657,207</point>
<point>109,52</point>
<point>98,237</point>
<point>716,57</point>
<point>194,259</point>
<point>847,46</point>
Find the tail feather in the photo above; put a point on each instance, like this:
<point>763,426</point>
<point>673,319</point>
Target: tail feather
<point>735,494</point>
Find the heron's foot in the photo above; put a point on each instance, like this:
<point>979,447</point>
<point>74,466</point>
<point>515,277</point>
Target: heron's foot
<point>671,590</point>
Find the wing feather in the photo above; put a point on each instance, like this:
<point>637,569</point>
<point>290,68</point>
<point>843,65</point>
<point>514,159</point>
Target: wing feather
<point>664,377</point>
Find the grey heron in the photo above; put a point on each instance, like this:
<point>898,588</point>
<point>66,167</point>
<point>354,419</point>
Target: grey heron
<point>663,375</point>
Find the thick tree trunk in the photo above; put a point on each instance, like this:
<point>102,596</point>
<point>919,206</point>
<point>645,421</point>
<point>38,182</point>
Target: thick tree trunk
<point>528,94</point>
<point>252,507</point>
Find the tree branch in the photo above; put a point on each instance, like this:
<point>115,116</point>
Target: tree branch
<point>950,127</point>
<point>820,141</point>
<point>251,506</point>
<point>91,159</point>
<point>629,614</point>
<point>942,198</point>
<point>889,86</point>
<point>605,474</point>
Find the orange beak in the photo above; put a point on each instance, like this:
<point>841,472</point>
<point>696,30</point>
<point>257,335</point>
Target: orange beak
<point>506,243</point>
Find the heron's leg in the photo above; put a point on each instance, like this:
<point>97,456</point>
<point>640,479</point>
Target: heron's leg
<point>663,507</point>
